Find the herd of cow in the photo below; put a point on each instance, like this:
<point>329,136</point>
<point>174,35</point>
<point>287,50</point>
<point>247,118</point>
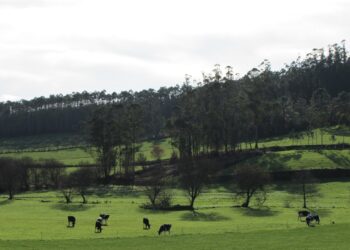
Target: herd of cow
<point>102,221</point>
<point>309,217</point>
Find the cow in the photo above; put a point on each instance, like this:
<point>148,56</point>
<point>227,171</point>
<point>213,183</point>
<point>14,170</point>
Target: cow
<point>164,228</point>
<point>312,217</point>
<point>98,226</point>
<point>303,213</point>
<point>71,221</point>
<point>146,224</point>
<point>104,218</point>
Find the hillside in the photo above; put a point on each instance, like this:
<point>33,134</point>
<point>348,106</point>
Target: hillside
<point>71,149</point>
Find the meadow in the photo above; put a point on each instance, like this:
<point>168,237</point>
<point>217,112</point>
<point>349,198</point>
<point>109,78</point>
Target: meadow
<point>81,154</point>
<point>38,220</point>
<point>290,159</point>
<point>302,159</point>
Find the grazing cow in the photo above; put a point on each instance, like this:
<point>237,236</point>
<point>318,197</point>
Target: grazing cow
<point>303,213</point>
<point>98,226</point>
<point>104,218</point>
<point>146,224</point>
<point>71,221</point>
<point>164,228</point>
<point>312,217</point>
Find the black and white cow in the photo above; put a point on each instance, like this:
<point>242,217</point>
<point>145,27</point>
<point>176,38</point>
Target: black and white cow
<point>71,221</point>
<point>104,218</point>
<point>164,228</point>
<point>146,224</point>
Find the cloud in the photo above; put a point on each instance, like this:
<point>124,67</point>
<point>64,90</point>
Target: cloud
<point>30,3</point>
<point>52,46</point>
<point>4,98</point>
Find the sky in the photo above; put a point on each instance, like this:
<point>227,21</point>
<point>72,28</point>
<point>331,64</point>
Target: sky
<point>64,46</point>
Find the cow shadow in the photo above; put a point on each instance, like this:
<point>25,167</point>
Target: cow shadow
<point>322,212</point>
<point>258,212</point>
<point>71,207</point>
<point>198,216</point>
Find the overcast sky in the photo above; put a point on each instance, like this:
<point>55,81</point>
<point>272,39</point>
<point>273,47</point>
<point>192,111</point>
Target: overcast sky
<point>61,46</point>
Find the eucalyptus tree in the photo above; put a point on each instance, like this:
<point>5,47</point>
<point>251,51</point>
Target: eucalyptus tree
<point>319,110</point>
<point>103,134</point>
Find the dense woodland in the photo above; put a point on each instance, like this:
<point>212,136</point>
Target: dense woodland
<point>262,103</point>
<point>219,112</point>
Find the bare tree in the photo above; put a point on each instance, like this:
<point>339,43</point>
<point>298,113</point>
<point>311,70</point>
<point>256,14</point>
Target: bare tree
<point>53,170</point>
<point>82,179</point>
<point>10,176</point>
<point>305,186</point>
<point>250,181</point>
<point>193,176</point>
<point>66,187</point>
<point>155,186</point>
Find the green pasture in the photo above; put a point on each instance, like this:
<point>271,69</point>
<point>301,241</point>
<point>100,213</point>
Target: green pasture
<point>76,156</point>
<point>302,159</point>
<point>341,135</point>
<point>47,141</point>
<point>323,237</point>
<point>65,156</point>
<point>291,159</point>
<point>38,220</point>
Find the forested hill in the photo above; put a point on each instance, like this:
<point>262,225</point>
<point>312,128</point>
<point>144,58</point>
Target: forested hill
<point>263,102</point>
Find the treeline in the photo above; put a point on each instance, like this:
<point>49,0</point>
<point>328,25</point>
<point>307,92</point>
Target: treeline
<point>267,103</point>
<point>68,114</point>
<point>19,175</point>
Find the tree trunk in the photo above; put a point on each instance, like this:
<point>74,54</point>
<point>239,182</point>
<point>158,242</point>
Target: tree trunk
<point>84,198</point>
<point>10,195</point>
<point>192,203</point>
<point>304,196</point>
<point>68,199</point>
<point>246,203</point>
<point>256,137</point>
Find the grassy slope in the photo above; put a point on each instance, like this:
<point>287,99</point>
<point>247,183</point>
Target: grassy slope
<point>300,159</point>
<point>342,135</point>
<point>217,225</point>
<point>78,155</point>
<point>285,159</point>
<point>41,142</point>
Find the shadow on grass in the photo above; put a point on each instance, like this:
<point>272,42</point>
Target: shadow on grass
<point>5,202</point>
<point>323,212</point>
<point>258,212</point>
<point>117,191</point>
<point>276,161</point>
<point>338,130</point>
<point>340,160</point>
<point>71,207</point>
<point>197,216</point>
<point>175,208</point>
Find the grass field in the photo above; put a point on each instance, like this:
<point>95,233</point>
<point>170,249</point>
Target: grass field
<point>76,156</point>
<point>30,223</point>
<point>325,237</point>
<point>47,141</point>
<point>341,135</point>
<point>283,160</point>
<point>302,159</point>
